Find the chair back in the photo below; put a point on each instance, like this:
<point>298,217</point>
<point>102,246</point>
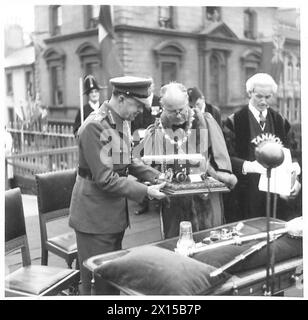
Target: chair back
<point>15,227</point>
<point>54,191</point>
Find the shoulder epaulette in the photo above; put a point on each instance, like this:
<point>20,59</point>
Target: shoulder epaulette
<point>99,114</point>
<point>111,120</point>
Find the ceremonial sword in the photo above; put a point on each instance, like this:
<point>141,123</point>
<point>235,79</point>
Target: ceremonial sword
<point>243,255</point>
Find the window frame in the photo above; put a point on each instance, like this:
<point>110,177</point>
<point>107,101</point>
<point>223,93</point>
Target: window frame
<point>211,16</point>
<point>290,70</point>
<point>55,58</point>
<point>90,21</point>
<point>31,78</point>
<point>167,23</point>
<point>169,52</point>
<point>55,27</point>
<point>251,32</point>
<point>9,84</point>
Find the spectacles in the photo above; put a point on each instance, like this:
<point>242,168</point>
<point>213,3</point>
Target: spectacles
<point>178,111</point>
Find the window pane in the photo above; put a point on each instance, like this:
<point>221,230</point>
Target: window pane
<point>29,83</point>
<point>214,81</point>
<point>93,68</point>
<point>298,75</point>
<point>164,12</point>
<point>11,114</point>
<point>213,13</point>
<point>95,11</point>
<point>169,72</point>
<point>248,24</point>
<point>250,71</point>
<point>59,16</point>
<point>57,85</point>
<point>288,111</point>
<point>290,71</point>
<point>9,84</point>
<point>165,17</point>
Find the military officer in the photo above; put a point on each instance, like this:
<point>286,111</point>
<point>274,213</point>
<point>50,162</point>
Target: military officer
<point>98,210</point>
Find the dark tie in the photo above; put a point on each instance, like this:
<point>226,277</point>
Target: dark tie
<point>262,120</point>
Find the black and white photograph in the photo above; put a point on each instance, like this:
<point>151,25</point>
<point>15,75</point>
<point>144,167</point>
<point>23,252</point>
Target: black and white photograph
<point>153,149</point>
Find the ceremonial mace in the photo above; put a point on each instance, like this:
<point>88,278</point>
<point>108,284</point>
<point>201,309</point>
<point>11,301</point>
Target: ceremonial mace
<point>270,155</point>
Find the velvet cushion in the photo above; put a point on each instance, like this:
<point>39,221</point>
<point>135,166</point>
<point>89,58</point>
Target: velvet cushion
<point>35,279</point>
<point>156,271</point>
<point>65,241</point>
<point>284,248</point>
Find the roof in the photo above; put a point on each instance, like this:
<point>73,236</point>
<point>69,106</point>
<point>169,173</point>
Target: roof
<point>21,57</point>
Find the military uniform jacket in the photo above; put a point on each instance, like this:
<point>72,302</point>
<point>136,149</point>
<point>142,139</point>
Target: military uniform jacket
<point>99,205</point>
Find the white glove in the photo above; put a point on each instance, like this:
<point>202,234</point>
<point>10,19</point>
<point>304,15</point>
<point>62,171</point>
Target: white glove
<point>295,189</point>
<point>296,186</point>
<point>229,179</point>
<point>153,191</point>
<point>253,167</point>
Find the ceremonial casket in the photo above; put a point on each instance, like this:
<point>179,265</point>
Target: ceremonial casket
<point>185,174</point>
<point>156,269</point>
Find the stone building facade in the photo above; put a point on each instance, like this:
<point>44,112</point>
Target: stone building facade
<point>214,48</point>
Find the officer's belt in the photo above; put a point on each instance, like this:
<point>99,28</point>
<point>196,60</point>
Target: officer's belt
<point>87,174</point>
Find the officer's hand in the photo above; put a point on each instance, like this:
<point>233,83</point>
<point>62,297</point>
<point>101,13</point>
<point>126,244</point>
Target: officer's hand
<point>153,191</point>
<point>253,167</point>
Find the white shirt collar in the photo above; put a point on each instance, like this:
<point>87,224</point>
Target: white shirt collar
<point>203,108</point>
<point>94,106</point>
<point>256,113</point>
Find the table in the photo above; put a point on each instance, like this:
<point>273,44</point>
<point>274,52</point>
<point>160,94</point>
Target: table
<point>248,278</point>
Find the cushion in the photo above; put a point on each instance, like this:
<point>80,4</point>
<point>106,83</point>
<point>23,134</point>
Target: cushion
<point>156,271</point>
<point>66,241</point>
<point>284,248</point>
<point>35,279</point>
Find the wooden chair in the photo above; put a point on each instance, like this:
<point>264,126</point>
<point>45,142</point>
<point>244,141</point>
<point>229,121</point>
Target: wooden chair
<point>54,190</point>
<point>30,280</point>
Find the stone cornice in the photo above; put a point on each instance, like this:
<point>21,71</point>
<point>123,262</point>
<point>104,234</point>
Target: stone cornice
<point>191,35</point>
<point>30,65</point>
<point>70,36</point>
<point>157,31</point>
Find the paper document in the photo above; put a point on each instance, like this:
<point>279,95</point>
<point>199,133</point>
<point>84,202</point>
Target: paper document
<point>280,181</point>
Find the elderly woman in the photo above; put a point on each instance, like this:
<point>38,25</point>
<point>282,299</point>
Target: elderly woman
<point>181,129</point>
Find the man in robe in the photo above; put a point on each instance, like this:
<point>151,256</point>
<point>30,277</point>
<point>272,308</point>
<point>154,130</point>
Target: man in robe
<point>181,129</point>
